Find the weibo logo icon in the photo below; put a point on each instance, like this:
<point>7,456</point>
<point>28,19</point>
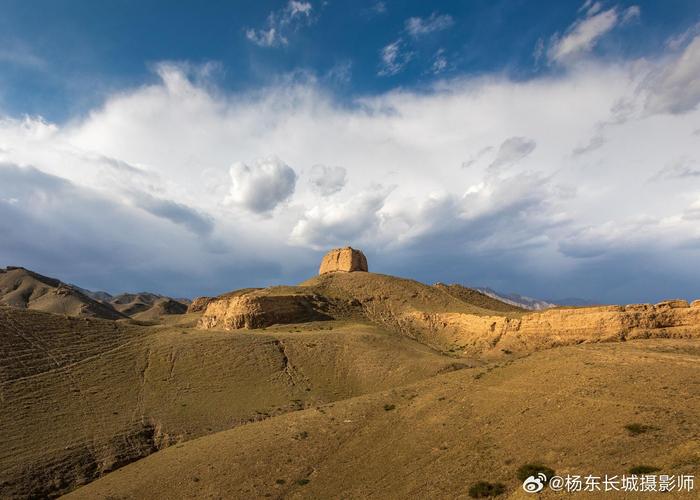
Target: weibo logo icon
<point>535,484</point>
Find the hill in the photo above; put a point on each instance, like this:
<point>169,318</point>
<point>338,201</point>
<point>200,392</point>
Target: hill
<point>82,397</point>
<point>348,385</point>
<point>20,287</point>
<point>25,289</point>
<point>438,437</point>
<point>146,306</point>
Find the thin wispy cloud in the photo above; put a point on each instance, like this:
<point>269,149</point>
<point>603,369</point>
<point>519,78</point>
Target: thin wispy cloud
<point>280,23</point>
<point>582,36</point>
<point>394,58</point>
<point>512,150</point>
<point>420,26</point>
<point>439,62</point>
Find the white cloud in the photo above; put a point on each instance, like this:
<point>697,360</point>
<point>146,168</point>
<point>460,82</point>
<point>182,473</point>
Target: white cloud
<point>18,54</point>
<point>344,222</point>
<point>279,23</point>
<point>394,58</point>
<point>379,7</point>
<point>327,180</point>
<point>439,62</point>
<point>682,168</point>
<point>590,7</point>
<point>678,41</point>
<point>583,35</point>
<point>261,187</point>
<point>173,143</point>
<point>419,26</point>
<point>675,86</point>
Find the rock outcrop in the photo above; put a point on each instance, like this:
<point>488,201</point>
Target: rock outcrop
<point>554,327</point>
<point>199,304</point>
<point>263,308</point>
<point>343,259</point>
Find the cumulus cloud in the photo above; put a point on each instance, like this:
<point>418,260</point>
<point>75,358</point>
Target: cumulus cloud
<point>394,57</point>
<point>327,180</point>
<point>279,23</point>
<point>341,222</point>
<point>513,150</point>
<point>420,26</point>
<point>261,187</point>
<point>583,34</point>
<point>518,228</point>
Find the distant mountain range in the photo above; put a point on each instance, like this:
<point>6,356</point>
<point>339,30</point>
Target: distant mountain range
<point>20,287</point>
<point>532,303</point>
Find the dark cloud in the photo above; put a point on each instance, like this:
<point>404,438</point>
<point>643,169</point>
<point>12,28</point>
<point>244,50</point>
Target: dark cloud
<point>50,225</point>
<point>327,180</point>
<point>513,150</point>
<point>177,213</point>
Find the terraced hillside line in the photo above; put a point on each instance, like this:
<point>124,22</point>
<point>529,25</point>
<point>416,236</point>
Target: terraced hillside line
<point>140,407</point>
<point>172,357</point>
<point>287,367</point>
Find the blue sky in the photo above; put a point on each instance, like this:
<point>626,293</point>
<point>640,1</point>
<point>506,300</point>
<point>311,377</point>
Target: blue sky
<point>60,58</point>
<point>545,148</point>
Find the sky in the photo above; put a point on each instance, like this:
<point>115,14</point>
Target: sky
<point>550,149</point>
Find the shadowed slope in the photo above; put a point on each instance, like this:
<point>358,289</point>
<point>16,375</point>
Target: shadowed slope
<point>83,397</point>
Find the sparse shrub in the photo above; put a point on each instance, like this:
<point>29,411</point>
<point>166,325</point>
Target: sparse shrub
<point>484,489</point>
<point>636,429</point>
<point>527,470</point>
<point>280,481</point>
<point>389,407</point>
<point>302,482</point>
<point>640,470</point>
<point>301,435</point>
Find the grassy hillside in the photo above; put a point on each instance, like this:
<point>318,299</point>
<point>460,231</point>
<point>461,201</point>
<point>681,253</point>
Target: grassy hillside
<point>437,437</point>
<point>382,399</point>
<point>83,397</point>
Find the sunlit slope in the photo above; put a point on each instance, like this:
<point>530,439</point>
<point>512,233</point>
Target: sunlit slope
<point>82,397</point>
<point>381,294</point>
<point>566,408</point>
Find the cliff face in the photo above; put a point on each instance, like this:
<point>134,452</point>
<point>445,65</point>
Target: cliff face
<point>199,304</point>
<point>262,308</point>
<point>556,327</point>
<point>343,259</point>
